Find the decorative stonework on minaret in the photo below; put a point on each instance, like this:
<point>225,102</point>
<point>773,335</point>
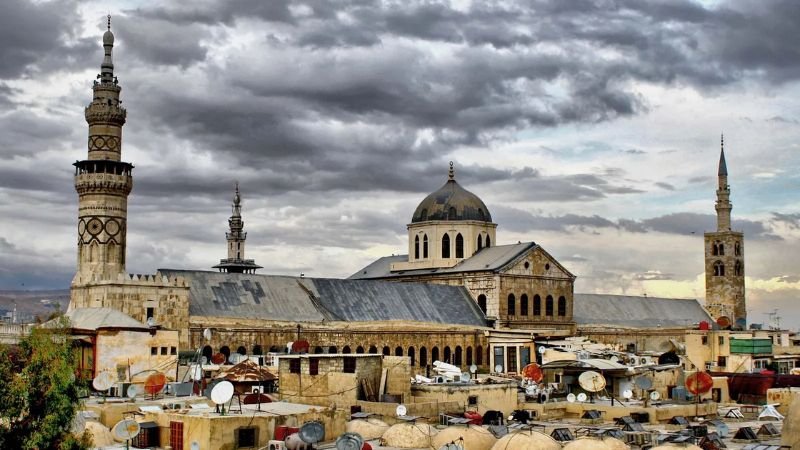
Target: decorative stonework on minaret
<point>103,181</point>
<point>235,262</point>
<point>724,258</point>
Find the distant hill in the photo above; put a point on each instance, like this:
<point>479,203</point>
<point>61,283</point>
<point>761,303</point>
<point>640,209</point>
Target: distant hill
<point>32,304</point>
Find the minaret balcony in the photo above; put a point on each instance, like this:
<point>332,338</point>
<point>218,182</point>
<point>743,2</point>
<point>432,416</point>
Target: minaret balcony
<point>103,176</point>
<point>98,112</point>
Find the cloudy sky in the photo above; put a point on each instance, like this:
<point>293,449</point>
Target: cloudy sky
<point>590,127</point>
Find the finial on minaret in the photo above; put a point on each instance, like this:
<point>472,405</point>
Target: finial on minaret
<point>109,22</point>
<point>236,198</point>
<point>723,167</point>
<point>452,173</point>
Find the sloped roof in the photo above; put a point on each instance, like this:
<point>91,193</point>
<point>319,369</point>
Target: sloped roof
<point>247,372</point>
<point>487,259</point>
<point>282,298</point>
<point>97,318</point>
<point>636,312</point>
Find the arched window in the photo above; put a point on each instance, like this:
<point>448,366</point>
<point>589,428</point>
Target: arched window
<point>257,350</point>
<point>719,269</point>
<point>488,242</point>
<point>480,242</point>
<point>318,350</point>
<point>548,306</point>
<point>537,305</point>
<point>346,350</point>
<point>435,354</point>
<point>715,248</point>
<point>411,355</point>
<point>479,355</point>
<point>451,214</point>
<point>446,246</point>
<point>373,350</point>
<point>512,305</point>
<point>386,351</point>
<point>737,268</point>
<point>721,248</point>
<point>359,349</point>
<point>241,350</point>
<point>274,349</point>
<point>398,351</point>
<point>423,356</point>
<point>459,246</point>
<point>458,359</point>
<point>425,246</point>
<point>208,353</point>
<point>447,355</point>
<point>332,349</point>
<point>562,306</point>
<point>482,303</point>
<point>416,247</point>
<point>523,305</point>
<point>225,350</point>
<point>737,249</point>
<point>469,356</point>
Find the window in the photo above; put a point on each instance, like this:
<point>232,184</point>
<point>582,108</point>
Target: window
<point>548,306</point>
<point>719,269</point>
<point>423,356</point>
<point>469,356</point>
<point>472,400</point>
<point>457,359</point>
<point>480,242</point>
<point>150,313</point>
<point>373,350</point>
<point>423,215</point>
<point>241,350</point>
<point>416,247</point>
<point>737,249</point>
<point>153,351</point>
<point>459,246</point>
<point>313,366</point>
<point>398,351</point>
<point>447,355</point>
<point>523,305</point>
<point>349,364</point>
<point>512,305</point>
<point>176,434</point>
<point>737,268</point>
<point>386,350</point>
<point>451,214</point>
<point>479,355</point>
<point>435,354</point>
<point>537,305</point>
<point>360,350</point>
<point>488,242</point>
<point>173,351</point>
<point>499,358</point>
<point>164,350</point>
<point>425,246</point>
<point>721,340</point>
<point>446,246</point>
<point>562,306</point>
<point>411,355</point>
<point>294,365</point>
<point>346,349</point>
<point>704,340</point>
<point>482,303</point>
<point>722,361</point>
<point>246,437</point>
<point>512,359</point>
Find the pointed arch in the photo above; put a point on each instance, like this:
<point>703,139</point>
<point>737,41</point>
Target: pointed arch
<point>488,241</point>
<point>447,355</point>
<point>360,350</point>
<point>386,350</point>
<point>411,355</point>
<point>241,350</point>
<point>480,242</point>
<point>373,350</point>
<point>346,350</point>
<point>562,306</point>
<point>333,350</point>
<point>423,356</point>
<point>398,351</point>
<point>523,305</point>
<point>435,354</point>
<point>416,247</point>
<point>548,306</point>
<point>459,246</point>
<point>318,350</point>
<point>512,305</point>
<point>537,305</point>
<point>458,357</point>
<point>719,269</point>
<point>208,352</point>
<point>469,356</point>
<point>446,246</point>
<point>482,303</point>
<point>225,350</point>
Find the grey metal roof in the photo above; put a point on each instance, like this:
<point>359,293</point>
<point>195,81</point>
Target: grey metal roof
<point>98,318</point>
<point>282,298</point>
<point>636,312</point>
<point>490,259</point>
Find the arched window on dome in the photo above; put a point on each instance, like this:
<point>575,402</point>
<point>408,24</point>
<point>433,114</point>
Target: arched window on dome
<point>719,269</point>
<point>488,242</point>
<point>512,305</point>
<point>416,247</point>
<point>446,246</point>
<point>459,246</point>
<point>425,246</point>
<point>480,242</point>
<point>451,214</point>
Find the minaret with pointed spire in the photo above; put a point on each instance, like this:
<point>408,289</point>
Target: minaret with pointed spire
<point>235,262</point>
<point>724,258</point>
<point>103,181</point>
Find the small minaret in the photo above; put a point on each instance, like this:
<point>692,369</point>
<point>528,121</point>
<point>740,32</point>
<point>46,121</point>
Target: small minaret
<point>724,258</point>
<point>103,181</point>
<point>235,262</point>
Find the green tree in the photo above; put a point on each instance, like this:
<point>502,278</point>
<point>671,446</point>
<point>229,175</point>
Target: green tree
<point>39,392</point>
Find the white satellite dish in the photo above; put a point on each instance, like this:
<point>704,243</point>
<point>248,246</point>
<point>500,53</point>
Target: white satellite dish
<point>627,393</point>
<point>401,410</point>
<point>126,429</point>
<point>203,360</point>
<point>473,368</point>
<point>195,445</point>
<point>207,334</point>
<point>151,322</point>
<point>655,396</point>
<point>531,390</point>
<point>582,397</point>
<point>133,391</point>
<point>222,392</point>
<point>498,368</point>
<point>103,381</point>
<point>614,359</point>
<point>542,350</point>
<point>571,397</point>
<point>465,376</point>
<point>592,381</point>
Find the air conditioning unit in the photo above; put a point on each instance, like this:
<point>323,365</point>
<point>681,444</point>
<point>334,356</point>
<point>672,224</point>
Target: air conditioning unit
<point>275,445</point>
<point>257,389</point>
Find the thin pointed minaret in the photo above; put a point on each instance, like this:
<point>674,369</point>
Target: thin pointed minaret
<point>236,236</point>
<point>724,258</point>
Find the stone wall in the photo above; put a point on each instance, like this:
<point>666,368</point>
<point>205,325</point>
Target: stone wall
<point>471,397</point>
<point>331,387</point>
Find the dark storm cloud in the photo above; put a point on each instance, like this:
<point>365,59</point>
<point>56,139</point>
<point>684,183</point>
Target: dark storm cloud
<point>790,220</point>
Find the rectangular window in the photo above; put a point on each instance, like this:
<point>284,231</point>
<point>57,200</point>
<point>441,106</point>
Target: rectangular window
<point>153,351</point>
<point>150,313</point>
<point>512,359</point>
<point>173,350</point>
<point>499,356</point>
<point>164,350</point>
<point>721,340</point>
<point>705,340</point>
<point>472,400</point>
<point>313,366</point>
<point>176,434</point>
<point>246,437</point>
<point>349,364</point>
<point>722,361</point>
<point>294,365</point>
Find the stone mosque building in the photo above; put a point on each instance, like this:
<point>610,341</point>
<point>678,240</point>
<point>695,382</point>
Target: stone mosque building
<point>457,296</point>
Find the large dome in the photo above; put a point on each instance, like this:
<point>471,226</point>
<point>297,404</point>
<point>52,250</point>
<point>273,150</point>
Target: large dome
<point>451,202</point>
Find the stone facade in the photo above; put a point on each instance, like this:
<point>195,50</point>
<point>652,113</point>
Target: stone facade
<point>336,382</point>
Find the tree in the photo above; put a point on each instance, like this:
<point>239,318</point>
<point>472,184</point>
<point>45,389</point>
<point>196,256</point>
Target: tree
<point>39,392</point>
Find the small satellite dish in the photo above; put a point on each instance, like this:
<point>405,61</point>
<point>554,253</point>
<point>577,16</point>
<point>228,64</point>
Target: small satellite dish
<point>465,376</point>
<point>473,368</point>
<point>207,334</point>
<point>125,430</point>
<point>582,397</point>
<point>533,372</point>
<point>195,445</point>
<point>312,432</point>
<point>401,410</point>
<point>614,359</point>
<point>643,382</point>
<point>218,358</point>
<point>498,368</point>
<point>571,397</point>
<point>196,371</point>
<point>542,350</point>
<point>133,391</point>
<point>627,393</point>
<point>203,360</point>
<point>655,396</point>
<point>103,381</point>
<point>222,392</point>
<point>592,381</point>
<point>530,390</point>
<point>151,322</point>
<point>699,383</point>
<point>350,441</point>
<point>155,383</point>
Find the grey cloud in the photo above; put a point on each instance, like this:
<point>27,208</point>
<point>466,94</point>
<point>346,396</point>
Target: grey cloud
<point>653,275</point>
<point>790,220</point>
<point>789,279</point>
<point>664,185</point>
<point>781,119</point>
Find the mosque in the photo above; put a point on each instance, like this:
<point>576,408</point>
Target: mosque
<point>457,295</point>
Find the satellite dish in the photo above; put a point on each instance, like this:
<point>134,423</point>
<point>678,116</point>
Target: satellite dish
<point>473,368</point>
<point>571,397</point>
<point>125,430</point>
<point>643,382</point>
<point>655,396</point>
<point>195,445</point>
<point>203,360</point>
<point>498,368</point>
<point>133,391</point>
<point>627,393</point>
<point>699,383</point>
<point>155,383</point>
<point>196,371</point>
<point>222,392</point>
<point>533,372</point>
<point>312,432</point>
<point>207,334</point>
<point>582,397</point>
<point>151,322</point>
<point>465,376</point>
<point>349,441</point>
<point>401,410</point>
<point>592,381</point>
<point>542,350</point>
<point>614,359</point>
<point>103,381</point>
<point>531,390</point>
